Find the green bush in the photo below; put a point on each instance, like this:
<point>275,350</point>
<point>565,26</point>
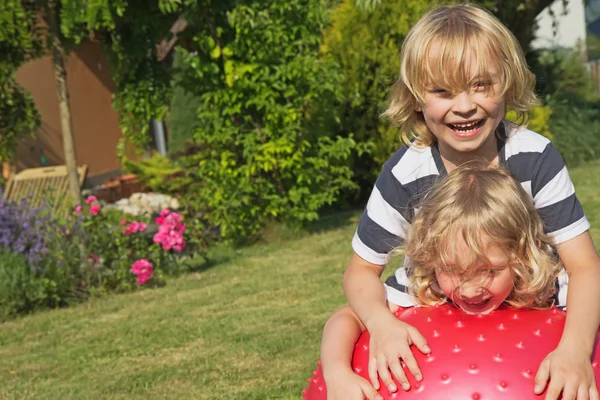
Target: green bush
<point>266,144</point>
<point>48,261</point>
<point>158,173</point>
<point>182,120</point>
<point>576,131</point>
<point>366,44</point>
<point>562,75</point>
<point>23,290</point>
<point>114,243</point>
<point>567,88</point>
<point>539,120</point>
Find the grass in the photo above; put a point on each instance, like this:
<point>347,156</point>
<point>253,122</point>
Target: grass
<point>247,328</point>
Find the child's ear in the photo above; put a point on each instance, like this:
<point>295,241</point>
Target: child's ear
<point>418,108</point>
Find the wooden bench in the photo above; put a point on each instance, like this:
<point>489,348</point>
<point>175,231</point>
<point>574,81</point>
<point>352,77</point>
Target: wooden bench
<point>39,184</point>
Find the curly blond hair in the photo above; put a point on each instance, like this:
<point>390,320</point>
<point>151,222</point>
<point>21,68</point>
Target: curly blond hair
<point>457,31</point>
<point>475,200</point>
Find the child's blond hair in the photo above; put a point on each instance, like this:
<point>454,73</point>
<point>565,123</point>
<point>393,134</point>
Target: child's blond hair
<point>471,201</point>
<point>457,31</point>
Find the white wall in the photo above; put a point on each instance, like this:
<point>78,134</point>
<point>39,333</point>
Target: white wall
<point>571,27</point>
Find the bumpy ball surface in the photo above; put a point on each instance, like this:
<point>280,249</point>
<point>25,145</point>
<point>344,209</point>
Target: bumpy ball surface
<point>473,357</point>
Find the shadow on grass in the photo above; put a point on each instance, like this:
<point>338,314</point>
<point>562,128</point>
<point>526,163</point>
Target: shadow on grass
<point>274,234</point>
<point>335,220</point>
<point>216,255</point>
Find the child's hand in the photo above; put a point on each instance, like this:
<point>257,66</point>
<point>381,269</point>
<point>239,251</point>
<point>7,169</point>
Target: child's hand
<point>346,385</point>
<point>570,371</point>
<point>388,345</point>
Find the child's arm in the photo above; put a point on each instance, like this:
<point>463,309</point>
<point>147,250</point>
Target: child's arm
<point>569,366</point>
<point>339,338</point>
<point>390,338</point>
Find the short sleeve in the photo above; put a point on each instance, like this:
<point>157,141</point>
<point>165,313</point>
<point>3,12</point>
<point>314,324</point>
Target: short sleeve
<point>385,220</point>
<point>554,196</point>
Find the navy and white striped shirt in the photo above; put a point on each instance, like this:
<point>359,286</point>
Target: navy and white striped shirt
<point>408,175</point>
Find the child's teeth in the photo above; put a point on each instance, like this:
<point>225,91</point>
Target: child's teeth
<point>465,126</point>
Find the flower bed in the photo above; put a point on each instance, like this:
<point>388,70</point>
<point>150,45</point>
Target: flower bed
<point>47,261</point>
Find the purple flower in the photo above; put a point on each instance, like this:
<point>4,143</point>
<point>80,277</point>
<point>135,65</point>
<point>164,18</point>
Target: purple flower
<point>25,230</point>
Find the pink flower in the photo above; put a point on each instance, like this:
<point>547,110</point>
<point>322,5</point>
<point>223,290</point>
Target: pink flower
<point>170,231</point>
<point>135,227</point>
<point>78,209</point>
<point>123,221</point>
<point>162,216</point>
<point>95,209</point>
<point>143,269</point>
<point>90,199</point>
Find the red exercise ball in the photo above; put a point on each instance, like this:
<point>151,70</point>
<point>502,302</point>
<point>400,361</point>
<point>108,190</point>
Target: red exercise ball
<point>473,357</point>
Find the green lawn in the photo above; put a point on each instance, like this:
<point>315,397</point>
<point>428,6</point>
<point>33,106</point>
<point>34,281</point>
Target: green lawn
<point>247,328</point>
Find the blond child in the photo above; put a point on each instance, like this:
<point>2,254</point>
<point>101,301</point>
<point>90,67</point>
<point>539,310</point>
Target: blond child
<point>477,242</point>
<point>461,70</point>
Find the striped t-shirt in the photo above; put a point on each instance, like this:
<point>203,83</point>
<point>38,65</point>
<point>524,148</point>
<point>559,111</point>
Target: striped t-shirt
<point>408,175</point>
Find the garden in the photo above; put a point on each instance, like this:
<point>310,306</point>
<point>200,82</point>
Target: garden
<point>275,141</point>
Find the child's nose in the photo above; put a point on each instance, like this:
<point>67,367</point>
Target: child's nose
<point>463,103</point>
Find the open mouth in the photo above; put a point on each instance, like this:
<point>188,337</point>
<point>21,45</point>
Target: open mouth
<point>478,302</point>
<point>465,129</point>
<point>475,306</point>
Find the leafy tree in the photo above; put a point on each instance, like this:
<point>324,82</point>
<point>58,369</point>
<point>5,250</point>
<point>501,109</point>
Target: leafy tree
<point>265,143</point>
<point>20,41</point>
<point>366,45</point>
<point>520,16</point>
<point>56,44</point>
<point>129,31</point>
<point>24,37</point>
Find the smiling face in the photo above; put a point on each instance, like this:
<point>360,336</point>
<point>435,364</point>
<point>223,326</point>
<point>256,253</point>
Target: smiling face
<point>463,116</point>
<point>487,288</point>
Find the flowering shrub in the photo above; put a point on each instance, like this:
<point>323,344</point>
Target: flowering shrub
<point>170,231</point>
<point>130,252</point>
<point>25,230</point>
<point>143,269</point>
<point>34,249</point>
<point>60,260</point>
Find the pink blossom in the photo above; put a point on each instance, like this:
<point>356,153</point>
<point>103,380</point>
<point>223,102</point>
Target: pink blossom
<point>170,231</point>
<point>95,209</point>
<point>143,269</point>
<point>135,227</point>
<point>123,221</point>
<point>78,209</point>
<point>90,199</point>
<point>162,216</point>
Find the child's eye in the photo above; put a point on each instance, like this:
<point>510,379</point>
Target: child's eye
<point>482,85</point>
<point>438,91</point>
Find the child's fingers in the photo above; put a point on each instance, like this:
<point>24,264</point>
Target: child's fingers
<point>368,391</point>
<point>373,377</point>
<point>398,372</point>
<point>419,340</point>
<point>583,393</point>
<point>541,378</point>
<point>384,373</point>
<point>412,365</point>
<point>594,393</point>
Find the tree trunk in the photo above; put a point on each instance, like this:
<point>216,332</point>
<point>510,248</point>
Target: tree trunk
<point>58,62</point>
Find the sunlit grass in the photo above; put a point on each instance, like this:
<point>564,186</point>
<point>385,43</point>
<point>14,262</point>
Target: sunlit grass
<point>247,328</point>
